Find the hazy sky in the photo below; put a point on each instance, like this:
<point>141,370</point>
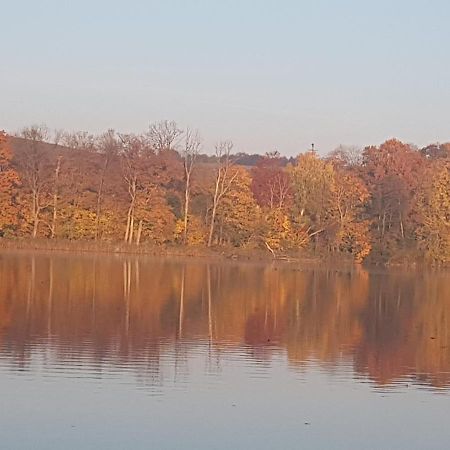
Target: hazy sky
<point>266,74</point>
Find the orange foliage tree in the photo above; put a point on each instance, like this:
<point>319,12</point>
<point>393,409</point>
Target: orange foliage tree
<point>9,180</point>
<point>433,209</point>
<point>392,173</point>
<point>390,201</point>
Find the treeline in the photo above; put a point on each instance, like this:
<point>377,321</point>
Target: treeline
<point>387,203</point>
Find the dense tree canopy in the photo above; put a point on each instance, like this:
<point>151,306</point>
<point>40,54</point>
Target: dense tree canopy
<point>383,202</point>
<point>9,178</point>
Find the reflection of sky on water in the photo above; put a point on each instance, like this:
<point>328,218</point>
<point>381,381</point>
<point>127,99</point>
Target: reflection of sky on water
<point>242,405</point>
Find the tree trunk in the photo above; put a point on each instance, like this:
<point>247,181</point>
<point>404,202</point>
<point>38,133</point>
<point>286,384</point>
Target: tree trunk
<point>214,210</point>
<point>186,210</point>
<point>402,230</point>
<point>127,229</point>
<point>211,225</point>
<point>53,227</point>
<point>220,239</point>
<point>139,233</point>
<point>35,213</point>
<point>99,199</point>
<point>35,226</point>
<point>130,236</point>
<point>55,199</point>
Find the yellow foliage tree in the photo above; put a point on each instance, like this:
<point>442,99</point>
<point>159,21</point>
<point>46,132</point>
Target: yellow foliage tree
<point>156,220</point>
<point>281,232</point>
<point>349,195</point>
<point>433,205</point>
<point>330,201</point>
<point>238,213</point>
<point>197,231</point>
<point>313,180</point>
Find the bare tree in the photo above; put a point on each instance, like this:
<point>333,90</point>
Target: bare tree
<point>349,156</point>
<point>57,137</point>
<point>108,147</point>
<point>279,188</point>
<point>225,177</point>
<point>80,140</point>
<point>190,152</point>
<point>33,163</point>
<point>55,197</point>
<point>133,156</point>
<point>164,135</point>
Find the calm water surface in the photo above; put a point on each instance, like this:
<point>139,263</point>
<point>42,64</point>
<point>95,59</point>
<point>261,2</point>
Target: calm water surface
<point>100,352</point>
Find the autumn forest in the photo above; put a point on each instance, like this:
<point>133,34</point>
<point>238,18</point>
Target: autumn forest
<point>387,203</point>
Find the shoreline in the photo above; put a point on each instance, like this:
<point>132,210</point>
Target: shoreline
<point>120,248</point>
<point>215,253</point>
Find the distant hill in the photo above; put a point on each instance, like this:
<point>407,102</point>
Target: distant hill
<point>20,145</point>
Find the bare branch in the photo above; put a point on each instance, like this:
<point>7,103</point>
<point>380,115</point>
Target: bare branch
<point>164,135</point>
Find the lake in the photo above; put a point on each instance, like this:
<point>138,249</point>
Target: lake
<point>116,352</point>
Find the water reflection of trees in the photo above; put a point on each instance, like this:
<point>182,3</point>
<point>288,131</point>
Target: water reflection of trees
<point>109,310</point>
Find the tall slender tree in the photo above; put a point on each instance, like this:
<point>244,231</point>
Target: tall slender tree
<point>189,153</point>
<point>224,179</point>
<point>34,165</point>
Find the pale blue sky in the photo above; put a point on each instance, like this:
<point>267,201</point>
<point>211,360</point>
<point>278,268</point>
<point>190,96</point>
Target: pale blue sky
<point>266,74</point>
